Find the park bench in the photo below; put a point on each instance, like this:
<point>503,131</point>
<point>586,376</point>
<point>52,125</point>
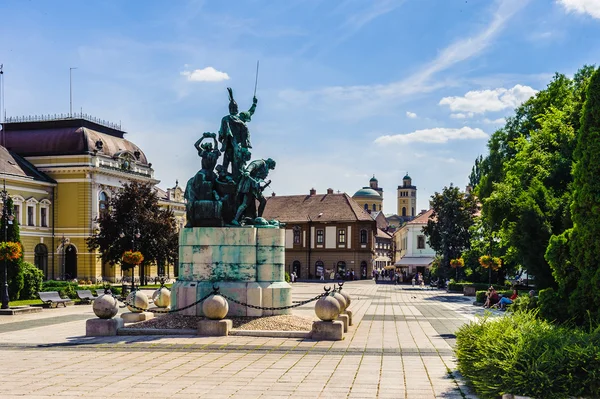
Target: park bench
<point>86,296</point>
<point>52,298</point>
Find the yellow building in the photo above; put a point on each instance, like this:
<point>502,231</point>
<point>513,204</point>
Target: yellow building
<point>61,173</point>
<point>370,198</point>
<point>407,198</point>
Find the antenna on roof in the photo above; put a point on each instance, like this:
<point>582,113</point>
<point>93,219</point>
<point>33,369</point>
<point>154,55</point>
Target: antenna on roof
<point>71,91</point>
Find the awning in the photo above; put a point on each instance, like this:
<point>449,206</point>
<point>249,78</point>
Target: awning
<point>412,261</point>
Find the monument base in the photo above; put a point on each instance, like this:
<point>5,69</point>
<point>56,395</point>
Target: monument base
<point>327,330</point>
<point>215,328</point>
<point>131,317</point>
<point>349,313</point>
<point>103,327</point>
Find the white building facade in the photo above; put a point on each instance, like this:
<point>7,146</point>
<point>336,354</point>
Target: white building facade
<point>413,253</point>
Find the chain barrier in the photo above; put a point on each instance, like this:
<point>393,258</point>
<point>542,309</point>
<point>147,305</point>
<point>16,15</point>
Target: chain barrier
<point>216,292</point>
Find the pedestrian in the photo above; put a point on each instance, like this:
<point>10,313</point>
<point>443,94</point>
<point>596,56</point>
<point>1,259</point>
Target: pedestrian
<point>322,276</point>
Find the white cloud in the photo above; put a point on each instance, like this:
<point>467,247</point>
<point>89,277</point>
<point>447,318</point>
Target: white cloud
<point>591,7</point>
<point>436,135</point>
<point>480,101</point>
<point>499,121</point>
<point>411,115</point>
<point>208,74</point>
<point>460,115</point>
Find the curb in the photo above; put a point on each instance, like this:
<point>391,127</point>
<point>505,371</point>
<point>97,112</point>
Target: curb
<point>271,334</point>
<point>157,331</point>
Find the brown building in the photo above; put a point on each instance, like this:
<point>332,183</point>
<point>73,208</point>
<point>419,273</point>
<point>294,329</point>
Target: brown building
<point>326,234</point>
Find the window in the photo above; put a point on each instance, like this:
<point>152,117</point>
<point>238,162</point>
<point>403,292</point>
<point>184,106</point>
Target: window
<point>30,216</point>
<point>319,236</point>
<point>17,212</point>
<point>102,203</point>
<point>41,258</point>
<point>297,231</point>
<point>413,212</point>
<point>43,217</point>
<point>374,207</point>
<point>363,236</point>
<point>366,207</point>
<point>403,211</point>
<point>341,236</point>
<point>420,242</point>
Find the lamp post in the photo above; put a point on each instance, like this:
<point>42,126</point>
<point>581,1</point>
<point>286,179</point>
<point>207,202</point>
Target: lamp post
<point>135,233</point>
<point>64,242</point>
<point>7,217</point>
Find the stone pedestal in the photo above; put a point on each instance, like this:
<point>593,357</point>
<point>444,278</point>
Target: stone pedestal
<point>131,317</point>
<point>327,330</point>
<point>344,319</point>
<point>103,327</point>
<point>214,328</point>
<point>246,263</point>
<point>349,313</point>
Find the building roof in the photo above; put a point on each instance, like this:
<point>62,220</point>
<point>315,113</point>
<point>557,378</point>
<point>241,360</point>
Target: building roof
<point>72,136</point>
<point>422,218</point>
<point>406,177</point>
<point>366,192</point>
<point>12,164</point>
<point>373,179</point>
<point>316,208</point>
<point>383,234</point>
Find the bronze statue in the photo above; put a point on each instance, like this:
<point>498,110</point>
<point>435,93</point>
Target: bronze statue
<point>250,189</point>
<point>216,197</point>
<point>235,136</point>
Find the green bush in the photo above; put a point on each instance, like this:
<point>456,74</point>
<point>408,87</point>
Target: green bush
<point>16,279</point>
<point>32,281</point>
<point>524,302</point>
<point>523,355</point>
<point>64,290</point>
<point>552,306</point>
<point>287,277</point>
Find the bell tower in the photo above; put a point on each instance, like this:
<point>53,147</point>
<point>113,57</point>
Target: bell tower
<point>407,198</point>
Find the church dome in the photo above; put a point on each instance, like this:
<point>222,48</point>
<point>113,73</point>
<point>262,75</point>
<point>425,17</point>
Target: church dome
<point>407,177</point>
<point>366,193</point>
<point>373,179</point>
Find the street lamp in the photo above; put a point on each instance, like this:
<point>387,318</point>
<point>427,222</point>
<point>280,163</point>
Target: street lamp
<point>64,242</point>
<point>134,234</point>
<point>7,217</point>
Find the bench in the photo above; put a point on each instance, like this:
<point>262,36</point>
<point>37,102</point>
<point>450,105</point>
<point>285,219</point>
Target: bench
<point>86,296</point>
<point>52,298</point>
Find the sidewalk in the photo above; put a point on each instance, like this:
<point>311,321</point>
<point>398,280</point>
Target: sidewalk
<point>399,347</point>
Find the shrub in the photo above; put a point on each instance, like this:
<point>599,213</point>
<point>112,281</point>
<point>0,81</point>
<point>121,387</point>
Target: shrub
<point>287,277</point>
<point>16,279</point>
<point>32,281</point>
<point>521,354</point>
<point>552,306</point>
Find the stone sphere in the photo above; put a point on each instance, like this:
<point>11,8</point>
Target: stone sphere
<point>105,306</point>
<point>139,299</point>
<point>340,298</point>
<point>346,297</point>
<point>162,297</point>
<point>215,307</point>
<point>328,308</point>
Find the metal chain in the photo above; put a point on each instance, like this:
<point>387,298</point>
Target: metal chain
<point>274,308</point>
<point>127,304</point>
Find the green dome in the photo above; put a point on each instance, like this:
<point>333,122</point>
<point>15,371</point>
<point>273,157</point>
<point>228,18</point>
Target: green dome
<point>406,177</point>
<point>373,178</point>
<point>367,192</point>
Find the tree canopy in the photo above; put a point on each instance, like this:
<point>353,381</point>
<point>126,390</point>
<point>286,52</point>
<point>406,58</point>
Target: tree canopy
<point>135,210</point>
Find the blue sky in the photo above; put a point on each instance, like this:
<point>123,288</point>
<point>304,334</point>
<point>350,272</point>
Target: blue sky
<point>347,89</point>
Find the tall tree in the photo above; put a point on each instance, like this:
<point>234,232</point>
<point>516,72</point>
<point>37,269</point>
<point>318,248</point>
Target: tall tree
<point>14,267</point>
<point>134,211</point>
<point>585,209</point>
<point>448,229</point>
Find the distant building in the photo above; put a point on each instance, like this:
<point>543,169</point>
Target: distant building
<point>370,198</point>
<point>325,234</point>
<point>407,199</point>
<point>412,252</point>
<point>383,250</point>
<point>61,173</point>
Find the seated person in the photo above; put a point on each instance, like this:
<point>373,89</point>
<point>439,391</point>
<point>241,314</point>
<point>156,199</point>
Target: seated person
<point>507,301</point>
<point>492,297</point>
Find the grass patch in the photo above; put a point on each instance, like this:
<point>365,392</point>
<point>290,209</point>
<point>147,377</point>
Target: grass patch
<point>154,286</point>
<point>24,302</point>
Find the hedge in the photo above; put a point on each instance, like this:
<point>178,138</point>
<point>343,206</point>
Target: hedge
<point>524,355</point>
<point>67,289</point>
<point>480,295</point>
<point>458,287</point>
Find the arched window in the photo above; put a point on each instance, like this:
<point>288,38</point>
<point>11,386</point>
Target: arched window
<point>363,236</point>
<point>374,207</point>
<point>102,203</point>
<point>297,231</point>
<point>341,268</point>
<point>403,211</point>
<point>413,212</point>
<point>366,207</point>
<point>41,258</point>
<point>363,269</point>
<point>296,267</point>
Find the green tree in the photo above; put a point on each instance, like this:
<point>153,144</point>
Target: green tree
<point>134,210</point>
<point>15,267</point>
<point>448,230</point>
<point>585,209</point>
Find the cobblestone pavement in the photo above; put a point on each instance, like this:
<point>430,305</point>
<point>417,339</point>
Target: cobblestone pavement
<point>399,347</point>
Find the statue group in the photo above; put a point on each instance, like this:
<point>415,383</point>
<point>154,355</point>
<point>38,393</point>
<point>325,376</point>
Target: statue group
<point>227,194</point>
